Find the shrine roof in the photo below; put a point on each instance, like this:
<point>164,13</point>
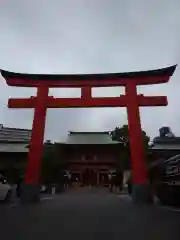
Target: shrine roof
<point>90,138</point>
<point>166,147</point>
<point>166,143</point>
<point>166,140</point>
<point>167,71</point>
<point>14,135</point>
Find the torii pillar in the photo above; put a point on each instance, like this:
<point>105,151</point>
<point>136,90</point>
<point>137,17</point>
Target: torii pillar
<point>141,190</point>
<point>131,100</point>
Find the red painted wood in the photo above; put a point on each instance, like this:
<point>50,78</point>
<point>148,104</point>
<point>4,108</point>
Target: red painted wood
<point>87,101</point>
<point>154,101</point>
<point>131,100</point>
<point>86,92</point>
<point>136,142</point>
<point>36,144</point>
<point>19,82</point>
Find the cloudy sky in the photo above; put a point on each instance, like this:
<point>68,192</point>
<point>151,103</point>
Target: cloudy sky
<point>82,36</point>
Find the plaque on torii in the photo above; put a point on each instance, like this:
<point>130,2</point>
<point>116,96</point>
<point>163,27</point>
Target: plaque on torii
<point>131,100</point>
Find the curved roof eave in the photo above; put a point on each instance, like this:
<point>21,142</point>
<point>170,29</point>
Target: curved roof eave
<point>167,71</point>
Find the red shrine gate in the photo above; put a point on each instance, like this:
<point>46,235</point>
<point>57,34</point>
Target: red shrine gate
<point>131,100</point>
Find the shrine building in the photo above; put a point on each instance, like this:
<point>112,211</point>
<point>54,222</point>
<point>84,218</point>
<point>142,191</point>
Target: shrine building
<point>14,148</point>
<point>90,156</point>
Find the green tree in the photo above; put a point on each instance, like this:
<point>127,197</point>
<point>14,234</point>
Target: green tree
<point>52,163</point>
<point>121,134</point>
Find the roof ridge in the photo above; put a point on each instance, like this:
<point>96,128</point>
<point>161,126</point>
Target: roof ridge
<point>2,127</point>
<point>93,132</point>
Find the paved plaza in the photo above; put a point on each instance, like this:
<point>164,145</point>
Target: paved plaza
<point>88,215</point>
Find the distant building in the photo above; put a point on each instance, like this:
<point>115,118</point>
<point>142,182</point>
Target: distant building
<point>90,156</point>
<point>20,135</point>
<point>165,145</point>
<point>14,143</point>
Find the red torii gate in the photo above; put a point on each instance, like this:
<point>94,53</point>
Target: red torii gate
<point>131,100</point>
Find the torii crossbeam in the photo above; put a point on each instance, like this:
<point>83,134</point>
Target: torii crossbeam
<point>131,100</point>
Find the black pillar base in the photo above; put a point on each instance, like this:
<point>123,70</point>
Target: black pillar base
<point>141,194</point>
<point>30,194</point>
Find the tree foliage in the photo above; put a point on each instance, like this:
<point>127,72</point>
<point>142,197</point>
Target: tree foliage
<point>52,163</point>
<point>121,134</point>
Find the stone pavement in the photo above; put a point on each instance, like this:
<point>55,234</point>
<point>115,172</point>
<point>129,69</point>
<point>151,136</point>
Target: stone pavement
<point>88,215</point>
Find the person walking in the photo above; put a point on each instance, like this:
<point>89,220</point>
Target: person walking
<point>19,186</point>
<point>67,178</point>
<point>119,181</point>
<point>109,181</point>
<point>112,178</point>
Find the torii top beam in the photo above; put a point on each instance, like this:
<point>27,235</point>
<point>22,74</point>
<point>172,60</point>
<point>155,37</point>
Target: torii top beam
<point>90,80</point>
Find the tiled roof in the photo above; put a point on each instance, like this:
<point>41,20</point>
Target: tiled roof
<point>14,147</point>
<point>90,138</point>
<point>166,147</point>
<point>14,134</point>
<point>166,143</point>
<point>166,140</point>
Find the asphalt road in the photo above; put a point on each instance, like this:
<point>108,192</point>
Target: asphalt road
<point>87,216</point>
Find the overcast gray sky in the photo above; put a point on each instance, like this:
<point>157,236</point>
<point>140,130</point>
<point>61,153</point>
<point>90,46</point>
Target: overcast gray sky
<point>82,36</point>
